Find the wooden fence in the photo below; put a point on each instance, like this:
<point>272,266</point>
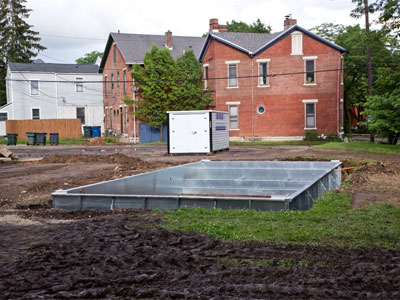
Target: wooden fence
<point>66,128</point>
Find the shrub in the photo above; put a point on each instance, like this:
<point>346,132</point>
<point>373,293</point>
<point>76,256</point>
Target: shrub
<point>311,135</point>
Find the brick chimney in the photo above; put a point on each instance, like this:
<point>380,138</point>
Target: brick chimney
<point>289,22</point>
<point>215,27</point>
<point>168,40</point>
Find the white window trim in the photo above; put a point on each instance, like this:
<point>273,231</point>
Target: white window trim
<point>236,63</point>
<point>124,84</point>
<point>204,74</point>
<point>261,61</point>
<point>232,62</point>
<point>76,84</point>
<point>310,101</point>
<point>263,106</point>
<point>40,113</point>
<point>229,115</point>
<point>30,86</point>
<point>84,110</point>
<point>105,84</point>
<point>297,33</point>
<point>308,58</point>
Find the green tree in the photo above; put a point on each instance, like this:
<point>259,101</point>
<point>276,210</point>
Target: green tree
<point>255,27</point>
<point>157,84</point>
<point>384,54</point>
<point>18,42</point>
<point>189,94</point>
<point>89,58</point>
<point>383,115</point>
<point>389,15</point>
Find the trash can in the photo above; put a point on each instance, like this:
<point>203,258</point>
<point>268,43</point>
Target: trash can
<point>87,132</point>
<point>31,138</point>
<point>12,139</point>
<point>41,138</point>
<point>54,138</point>
<point>96,132</point>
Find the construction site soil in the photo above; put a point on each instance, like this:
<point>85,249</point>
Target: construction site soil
<point>52,254</point>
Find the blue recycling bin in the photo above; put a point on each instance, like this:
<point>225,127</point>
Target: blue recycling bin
<point>96,131</point>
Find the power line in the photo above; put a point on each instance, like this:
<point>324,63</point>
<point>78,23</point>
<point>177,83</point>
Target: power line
<point>73,37</point>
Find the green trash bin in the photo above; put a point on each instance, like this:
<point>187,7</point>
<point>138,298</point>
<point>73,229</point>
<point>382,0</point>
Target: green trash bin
<point>12,139</point>
<point>31,138</point>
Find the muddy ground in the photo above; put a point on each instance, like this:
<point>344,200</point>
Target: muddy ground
<point>46,253</point>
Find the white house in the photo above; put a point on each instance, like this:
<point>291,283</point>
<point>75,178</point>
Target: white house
<point>53,91</point>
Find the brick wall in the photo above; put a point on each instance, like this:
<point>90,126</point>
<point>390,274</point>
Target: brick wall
<point>283,99</point>
<point>114,98</point>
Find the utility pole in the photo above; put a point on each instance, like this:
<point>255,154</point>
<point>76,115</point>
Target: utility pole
<point>368,55</point>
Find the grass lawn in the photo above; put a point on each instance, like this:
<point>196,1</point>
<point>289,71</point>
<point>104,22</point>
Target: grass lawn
<point>279,143</point>
<point>331,222</point>
<point>362,146</point>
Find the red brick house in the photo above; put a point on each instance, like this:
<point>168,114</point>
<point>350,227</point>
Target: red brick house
<point>275,86</point>
<point>122,51</point>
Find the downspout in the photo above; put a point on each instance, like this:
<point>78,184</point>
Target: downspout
<point>252,101</point>
<point>134,115</point>
<point>55,83</point>
<point>338,96</point>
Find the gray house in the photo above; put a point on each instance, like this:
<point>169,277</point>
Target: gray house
<point>53,91</point>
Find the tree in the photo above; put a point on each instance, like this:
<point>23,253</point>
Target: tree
<point>384,58</point>
<point>383,115</point>
<point>18,43</point>
<point>255,27</point>
<point>189,94</point>
<point>89,58</point>
<point>389,15</point>
<point>156,81</point>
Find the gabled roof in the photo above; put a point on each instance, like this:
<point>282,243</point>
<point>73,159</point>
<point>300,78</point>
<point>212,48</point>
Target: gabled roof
<point>133,47</point>
<point>255,43</point>
<point>52,68</point>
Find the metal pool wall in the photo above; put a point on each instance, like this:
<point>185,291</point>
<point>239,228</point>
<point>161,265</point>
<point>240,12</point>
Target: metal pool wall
<point>260,185</point>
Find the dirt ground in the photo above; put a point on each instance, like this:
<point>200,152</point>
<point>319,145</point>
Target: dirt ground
<point>47,253</point>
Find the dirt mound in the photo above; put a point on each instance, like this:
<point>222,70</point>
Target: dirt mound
<point>114,257</point>
<point>97,141</point>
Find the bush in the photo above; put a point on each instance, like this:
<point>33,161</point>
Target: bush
<point>311,135</point>
<point>333,137</point>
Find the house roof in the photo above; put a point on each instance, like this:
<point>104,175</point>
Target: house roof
<point>255,43</point>
<point>52,68</point>
<point>133,47</point>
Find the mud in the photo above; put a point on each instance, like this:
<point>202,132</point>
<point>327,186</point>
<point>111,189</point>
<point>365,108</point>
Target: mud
<point>117,257</point>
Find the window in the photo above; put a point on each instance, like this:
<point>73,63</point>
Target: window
<point>112,80</point>
<point>232,70</point>
<point>117,78</point>
<point>205,77</point>
<point>310,110</point>
<point>34,87</point>
<point>111,117</point>
<point>115,53</point>
<point>297,43</point>
<point>233,117</point>
<point>79,84</point>
<point>35,113</point>
<point>105,85</point>
<point>309,65</point>
<point>261,109</point>
<point>3,116</point>
<point>124,84</point>
<point>263,72</point>
<point>80,114</point>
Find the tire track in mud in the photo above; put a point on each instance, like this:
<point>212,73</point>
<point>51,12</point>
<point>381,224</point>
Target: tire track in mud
<point>118,256</point>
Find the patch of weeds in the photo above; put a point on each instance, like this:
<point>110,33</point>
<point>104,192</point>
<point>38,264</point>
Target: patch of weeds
<point>245,262</point>
<point>291,263</point>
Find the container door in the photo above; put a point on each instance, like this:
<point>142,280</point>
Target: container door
<point>179,133</point>
<point>199,133</point>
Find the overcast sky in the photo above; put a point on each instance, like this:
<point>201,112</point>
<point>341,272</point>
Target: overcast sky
<point>71,28</point>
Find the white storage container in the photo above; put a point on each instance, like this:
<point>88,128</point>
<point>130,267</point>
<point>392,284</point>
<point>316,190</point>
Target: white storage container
<point>197,131</point>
